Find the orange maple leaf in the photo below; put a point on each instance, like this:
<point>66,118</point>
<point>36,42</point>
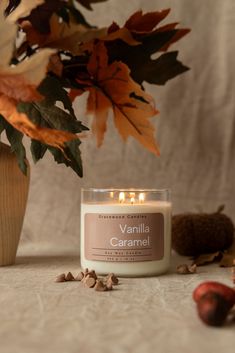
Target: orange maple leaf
<point>140,24</point>
<point>144,23</point>
<point>111,87</point>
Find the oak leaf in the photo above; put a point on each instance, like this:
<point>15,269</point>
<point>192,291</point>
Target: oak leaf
<point>111,88</point>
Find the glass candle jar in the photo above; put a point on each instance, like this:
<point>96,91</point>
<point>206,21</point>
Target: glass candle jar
<point>127,232</point>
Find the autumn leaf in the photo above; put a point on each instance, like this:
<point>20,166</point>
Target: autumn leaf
<point>145,23</point>
<point>19,84</point>
<point>21,81</point>
<point>205,259</point>
<point>152,38</point>
<point>15,138</point>
<point>111,88</point>
<point>228,257</point>
<point>21,122</point>
<point>47,114</point>
<point>225,257</point>
<point>40,17</point>
<point>22,9</point>
<point>64,36</point>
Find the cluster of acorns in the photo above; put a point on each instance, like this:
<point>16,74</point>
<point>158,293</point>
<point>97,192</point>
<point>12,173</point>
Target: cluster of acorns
<point>90,279</point>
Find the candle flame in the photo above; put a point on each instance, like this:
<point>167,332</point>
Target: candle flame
<point>132,200</point>
<point>121,197</point>
<point>141,197</point>
<point>111,194</point>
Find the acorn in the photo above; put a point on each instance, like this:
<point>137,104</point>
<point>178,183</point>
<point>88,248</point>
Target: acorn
<point>202,233</point>
<point>213,309</point>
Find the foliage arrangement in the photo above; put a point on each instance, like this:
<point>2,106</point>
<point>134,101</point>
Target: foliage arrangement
<point>50,54</point>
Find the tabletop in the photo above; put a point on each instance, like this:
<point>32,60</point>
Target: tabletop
<point>140,315</point>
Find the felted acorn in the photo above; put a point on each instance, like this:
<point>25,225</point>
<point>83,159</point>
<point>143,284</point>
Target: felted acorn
<point>195,234</point>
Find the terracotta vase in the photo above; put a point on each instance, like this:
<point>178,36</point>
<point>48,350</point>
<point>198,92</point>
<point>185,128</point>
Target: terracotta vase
<point>14,186</point>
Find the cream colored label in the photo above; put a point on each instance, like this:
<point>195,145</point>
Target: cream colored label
<point>124,237</point>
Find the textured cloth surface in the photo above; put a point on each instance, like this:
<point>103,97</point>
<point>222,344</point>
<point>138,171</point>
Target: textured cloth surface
<point>142,315</point>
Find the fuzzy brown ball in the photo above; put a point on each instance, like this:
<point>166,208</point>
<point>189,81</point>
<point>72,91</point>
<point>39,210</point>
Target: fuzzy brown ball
<point>195,234</point>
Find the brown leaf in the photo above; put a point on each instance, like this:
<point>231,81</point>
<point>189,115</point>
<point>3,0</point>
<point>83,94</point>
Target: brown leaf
<point>64,36</point>
<point>121,33</point>
<point>227,260</point>
<point>228,257</point>
<point>144,23</point>
<point>185,269</point>
<point>145,29</point>
<point>55,65</point>
<point>111,87</point>
<point>23,9</point>
<point>180,33</point>
<point>207,258</point>
<point>21,122</point>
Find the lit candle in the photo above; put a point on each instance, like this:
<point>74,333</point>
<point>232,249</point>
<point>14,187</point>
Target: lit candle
<point>126,232</point>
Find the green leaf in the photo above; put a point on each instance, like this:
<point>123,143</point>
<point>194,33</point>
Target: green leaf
<point>57,118</point>
<point>38,150</point>
<point>15,138</point>
<point>48,115</point>
<point>52,89</point>
<point>71,158</point>
<point>2,126</point>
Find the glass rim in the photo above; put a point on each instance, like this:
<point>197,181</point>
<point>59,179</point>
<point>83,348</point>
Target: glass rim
<point>103,190</point>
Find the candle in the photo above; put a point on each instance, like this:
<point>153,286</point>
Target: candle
<point>127,232</point>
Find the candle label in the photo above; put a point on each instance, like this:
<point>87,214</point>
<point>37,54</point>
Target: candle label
<point>124,237</point>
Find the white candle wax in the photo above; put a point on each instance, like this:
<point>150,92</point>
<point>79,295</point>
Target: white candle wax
<point>126,238</point>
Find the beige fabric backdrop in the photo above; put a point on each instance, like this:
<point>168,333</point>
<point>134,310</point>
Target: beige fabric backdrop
<point>196,130</point>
